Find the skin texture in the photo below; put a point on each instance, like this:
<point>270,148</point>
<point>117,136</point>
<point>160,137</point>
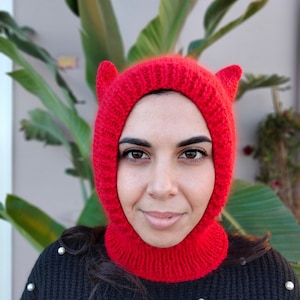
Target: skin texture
<point>165,173</point>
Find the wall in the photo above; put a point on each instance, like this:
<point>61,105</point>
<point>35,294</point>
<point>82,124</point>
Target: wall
<point>264,44</point>
<point>6,165</point>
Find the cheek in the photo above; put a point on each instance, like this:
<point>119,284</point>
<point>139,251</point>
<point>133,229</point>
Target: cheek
<point>201,185</point>
<point>129,186</point>
<point>122,186</point>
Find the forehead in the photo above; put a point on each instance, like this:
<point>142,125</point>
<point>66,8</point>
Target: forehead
<point>163,112</point>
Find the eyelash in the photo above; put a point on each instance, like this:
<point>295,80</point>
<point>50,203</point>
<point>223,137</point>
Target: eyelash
<point>128,154</point>
<point>199,152</point>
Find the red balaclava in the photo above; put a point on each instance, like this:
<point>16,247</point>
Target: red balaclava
<point>205,247</point>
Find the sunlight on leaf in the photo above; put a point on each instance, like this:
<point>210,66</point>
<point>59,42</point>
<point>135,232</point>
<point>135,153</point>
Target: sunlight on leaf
<point>32,223</point>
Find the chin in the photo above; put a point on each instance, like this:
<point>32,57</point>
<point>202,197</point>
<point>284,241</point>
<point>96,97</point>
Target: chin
<point>163,243</point>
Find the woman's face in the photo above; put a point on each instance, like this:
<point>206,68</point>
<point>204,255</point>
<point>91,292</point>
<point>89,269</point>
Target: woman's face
<point>165,173</point>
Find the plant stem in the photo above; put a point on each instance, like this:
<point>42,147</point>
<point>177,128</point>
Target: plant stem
<point>276,100</point>
<point>282,159</point>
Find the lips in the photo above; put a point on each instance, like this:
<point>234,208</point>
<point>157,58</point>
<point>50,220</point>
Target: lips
<point>161,220</point>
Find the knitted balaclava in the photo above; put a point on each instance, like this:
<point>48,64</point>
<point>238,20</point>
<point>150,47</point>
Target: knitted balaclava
<point>206,246</point>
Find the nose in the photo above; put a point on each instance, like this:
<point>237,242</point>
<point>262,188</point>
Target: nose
<point>162,184</point>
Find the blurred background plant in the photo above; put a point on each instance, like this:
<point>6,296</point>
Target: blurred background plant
<point>278,151</point>
<point>59,122</point>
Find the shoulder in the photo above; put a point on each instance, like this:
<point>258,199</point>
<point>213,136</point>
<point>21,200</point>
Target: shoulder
<point>275,264</point>
<point>258,266</point>
<point>72,246</point>
<point>60,266</point>
<point>50,259</point>
<point>273,272</point>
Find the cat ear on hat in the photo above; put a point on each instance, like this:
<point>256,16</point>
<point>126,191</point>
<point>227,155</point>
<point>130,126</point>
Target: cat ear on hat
<point>230,77</point>
<point>106,74</point>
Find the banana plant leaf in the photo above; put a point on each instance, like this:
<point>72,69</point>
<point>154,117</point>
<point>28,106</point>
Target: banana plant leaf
<point>19,36</point>
<point>31,222</point>
<point>30,79</point>
<point>161,34</point>
<point>255,209</point>
<point>73,6</point>
<point>296,267</point>
<point>251,82</point>
<point>100,36</point>
<point>219,8</point>
<point>82,167</point>
<point>215,13</point>
<point>92,213</point>
<point>42,126</point>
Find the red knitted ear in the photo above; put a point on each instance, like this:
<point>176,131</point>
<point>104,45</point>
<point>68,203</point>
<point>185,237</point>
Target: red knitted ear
<point>106,74</point>
<point>230,77</point>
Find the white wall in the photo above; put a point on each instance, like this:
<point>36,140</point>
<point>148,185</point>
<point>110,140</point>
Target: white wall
<point>264,44</point>
<point>6,166</point>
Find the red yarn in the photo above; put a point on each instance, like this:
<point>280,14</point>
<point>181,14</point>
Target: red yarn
<point>206,246</point>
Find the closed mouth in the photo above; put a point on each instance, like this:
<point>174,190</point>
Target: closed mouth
<point>162,220</point>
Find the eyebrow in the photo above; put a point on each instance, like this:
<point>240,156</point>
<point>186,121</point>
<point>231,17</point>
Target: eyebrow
<point>135,141</point>
<point>144,143</point>
<point>195,140</point>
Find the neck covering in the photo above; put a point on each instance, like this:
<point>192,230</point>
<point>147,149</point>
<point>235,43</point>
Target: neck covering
<point>205,247</point>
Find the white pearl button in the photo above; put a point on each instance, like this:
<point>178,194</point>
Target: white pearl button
<point>61,250</point>
<point>30,287</point>
<point>289,285</point>
<point>243,261</point>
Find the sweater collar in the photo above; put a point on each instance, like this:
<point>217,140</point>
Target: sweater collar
<point>196,256</point>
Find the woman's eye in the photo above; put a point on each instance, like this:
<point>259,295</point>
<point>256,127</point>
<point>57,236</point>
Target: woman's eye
<point>193,154</point>
<point>135,154</point>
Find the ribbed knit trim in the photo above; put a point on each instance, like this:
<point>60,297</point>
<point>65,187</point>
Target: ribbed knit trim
<point>189,260</point>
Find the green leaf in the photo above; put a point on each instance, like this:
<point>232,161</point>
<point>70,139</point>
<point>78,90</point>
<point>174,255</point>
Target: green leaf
<point>19,36</point>
<point>9,26</point>
<point>161,34</point>
<point>83,168</point>
<point>296,267</point>
<point>252,8</point>
<point>252,82</point>
<point>73,5</point>
<point>32,223</point>
<point>35,84</point>
<point>100,36</point>
<point>195,45</point>
<point>215,13</point>
<point>257,210</point>
<point>93,213</point>
<point>2,212</point>
<point>78,127</point>
<point>43,126</point>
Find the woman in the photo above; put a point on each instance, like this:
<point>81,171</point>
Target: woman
<point>163,157</point>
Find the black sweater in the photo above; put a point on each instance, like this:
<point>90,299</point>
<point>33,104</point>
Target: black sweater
<point>64,276</point>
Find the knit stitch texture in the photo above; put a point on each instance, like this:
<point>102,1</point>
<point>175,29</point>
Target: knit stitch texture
<point>206,246</point>
<point>64,277</point>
